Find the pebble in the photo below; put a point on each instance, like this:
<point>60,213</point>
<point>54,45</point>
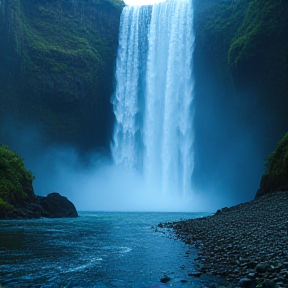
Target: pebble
<point>195,274</point>
<point>243,244</point>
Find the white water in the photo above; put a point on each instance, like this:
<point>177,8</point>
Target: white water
<point>142,2</point>
<point>153,101</point>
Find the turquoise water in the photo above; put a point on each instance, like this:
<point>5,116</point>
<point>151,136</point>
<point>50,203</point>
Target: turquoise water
<point>95,250</point>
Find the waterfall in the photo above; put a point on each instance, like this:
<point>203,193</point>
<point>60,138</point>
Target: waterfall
<point>153,100</point>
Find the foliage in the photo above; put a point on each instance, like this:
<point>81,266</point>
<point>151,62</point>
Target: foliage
<point>245,39</point>
<point>4,206</point>
<point>14,177</point>
<point>216,24</point>
<point>275,177</point>
<point>57,59</point>
<point>264,20</point>
<point>277,162</point>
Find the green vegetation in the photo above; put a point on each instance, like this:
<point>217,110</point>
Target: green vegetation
<point>57,60</point>
<point>278,160</point>
<point>275,177</point>
<point>216,24</point>
<point>15,179</point>
<point>264,22</point>
<point>247,42</point>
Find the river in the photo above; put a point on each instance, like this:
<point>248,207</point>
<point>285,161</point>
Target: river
<point>97,249</point>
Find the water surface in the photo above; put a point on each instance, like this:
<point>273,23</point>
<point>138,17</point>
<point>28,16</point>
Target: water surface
<point>95,250</point>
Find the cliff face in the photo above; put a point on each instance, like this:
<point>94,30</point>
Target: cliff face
<point>57,59</point>
<point>241,70</point>
<point>246,42</point>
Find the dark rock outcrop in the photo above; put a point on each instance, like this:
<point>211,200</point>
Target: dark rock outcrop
<point>56,206</point>
<point>52,206</point>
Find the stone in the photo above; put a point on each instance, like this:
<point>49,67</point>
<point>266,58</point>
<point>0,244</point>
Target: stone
<point>165,279</point>
<point>251,276</point>
<point>247,283</point>
<point>52,206</point>
<point>57,206</point>
<point>195,274</point>
<point>246,236</point>
<point>251,265</point>
<point>268,284</point>
<point>262,267</point>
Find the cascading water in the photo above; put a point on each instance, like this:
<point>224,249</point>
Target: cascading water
<point>153,132</point>
<point>130,89</point>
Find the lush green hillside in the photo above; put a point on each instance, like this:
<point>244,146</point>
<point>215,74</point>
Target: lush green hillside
<point>15,181</point>
<point>57,59</point>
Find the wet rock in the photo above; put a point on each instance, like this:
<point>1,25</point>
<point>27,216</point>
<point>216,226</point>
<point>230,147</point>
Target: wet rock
<point>247,283</point>
<point>251,265</point>
<point>52,206</point>
<point>262,267</point>
<point>268,284</point>
<point>165,279</point>
<point>251,276</point>
<point>57,206</point>
<point>195,274</point>
<point>245,241</point>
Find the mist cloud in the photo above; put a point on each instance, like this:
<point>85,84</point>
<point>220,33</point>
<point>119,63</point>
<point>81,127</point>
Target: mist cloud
<point>102,186</point>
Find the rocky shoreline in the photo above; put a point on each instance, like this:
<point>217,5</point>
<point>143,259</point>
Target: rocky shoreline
<point>246,244</point>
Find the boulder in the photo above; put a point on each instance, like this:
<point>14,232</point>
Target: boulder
<point>52,206</point>
<point>262,267</point>
<point>57,206</point>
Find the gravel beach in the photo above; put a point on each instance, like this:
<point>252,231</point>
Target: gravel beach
<point>245,244</point>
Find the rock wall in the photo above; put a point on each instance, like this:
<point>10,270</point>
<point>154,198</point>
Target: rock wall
<point>57,59</point>
<point>241,88</point>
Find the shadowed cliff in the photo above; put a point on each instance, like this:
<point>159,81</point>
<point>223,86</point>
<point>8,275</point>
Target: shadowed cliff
<point>57,59</point>
<point>241,92</point>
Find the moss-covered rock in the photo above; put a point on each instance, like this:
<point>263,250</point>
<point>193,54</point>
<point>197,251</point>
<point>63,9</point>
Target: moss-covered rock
<point>15,181</point>
<point>17,198</point>
<point>57,59</point>
<point>275,177</point>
